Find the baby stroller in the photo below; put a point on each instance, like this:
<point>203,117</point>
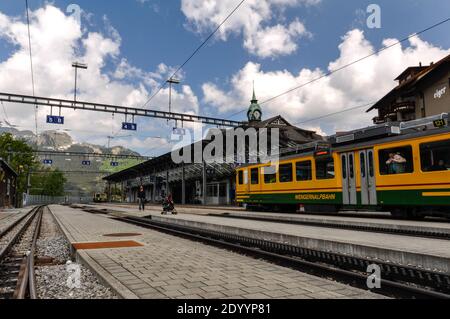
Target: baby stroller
<point>168,206</point>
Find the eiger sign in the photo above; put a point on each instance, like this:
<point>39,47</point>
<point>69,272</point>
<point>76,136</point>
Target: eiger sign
<point>440,92</point>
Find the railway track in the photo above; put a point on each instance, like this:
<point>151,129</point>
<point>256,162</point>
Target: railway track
<point>17,250</point>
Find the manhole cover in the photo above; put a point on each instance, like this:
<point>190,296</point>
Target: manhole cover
<point>122,235</point>
<point>103,245</point>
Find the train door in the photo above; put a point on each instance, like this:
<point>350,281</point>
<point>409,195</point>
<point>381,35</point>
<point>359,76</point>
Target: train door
<point>348,179</point>
<point>246,181</point>
<point>368,185</point>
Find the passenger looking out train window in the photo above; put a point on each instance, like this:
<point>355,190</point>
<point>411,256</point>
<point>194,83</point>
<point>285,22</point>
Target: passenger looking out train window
<point>304,171</point>
<point>396,161</point>
<point>286,173</point>
<point>325,168</point>
<point>435,157</point>
<point>270,175</point>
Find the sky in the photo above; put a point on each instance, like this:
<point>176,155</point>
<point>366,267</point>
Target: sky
<point>132,46</point>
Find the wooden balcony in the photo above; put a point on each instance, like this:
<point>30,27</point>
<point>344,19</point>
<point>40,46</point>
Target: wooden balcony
<point>405,107</point>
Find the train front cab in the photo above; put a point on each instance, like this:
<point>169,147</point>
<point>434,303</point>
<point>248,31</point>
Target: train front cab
<point>420,186</point>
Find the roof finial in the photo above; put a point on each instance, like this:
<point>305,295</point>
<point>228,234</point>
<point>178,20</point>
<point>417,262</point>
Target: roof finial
<point>254,94</point>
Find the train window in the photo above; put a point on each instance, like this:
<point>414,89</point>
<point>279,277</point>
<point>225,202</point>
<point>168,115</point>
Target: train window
<point>362,158</point>
<point>344,167</point>
<point>286,173</point>
<point>351,166</point>
<point>371,168</point>
<point>435,157</point>
<point>211,190</point>
<point>270,175</point>
<point>255,176</point>
<point>397,160</point>
<point>325,168</point>
<point>241,177</point>
<point>304,171</point>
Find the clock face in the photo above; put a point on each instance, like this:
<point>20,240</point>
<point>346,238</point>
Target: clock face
<point>257,115</point>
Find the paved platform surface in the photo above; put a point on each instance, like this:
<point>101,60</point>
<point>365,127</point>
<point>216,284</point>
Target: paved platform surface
<point>431,254</point>
<point>171,267</point>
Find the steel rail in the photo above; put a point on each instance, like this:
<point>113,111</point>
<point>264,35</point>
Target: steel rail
<point>31,273</point>
<point>13,240</point>
<point>23,279</point>
<point>278,254</point>
<point>14,224</point>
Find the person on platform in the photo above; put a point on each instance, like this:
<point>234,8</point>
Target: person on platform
<point>141,198</point>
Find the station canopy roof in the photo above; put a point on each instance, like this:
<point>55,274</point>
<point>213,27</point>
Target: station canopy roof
<point>290,137</point>
<point>4,164</point>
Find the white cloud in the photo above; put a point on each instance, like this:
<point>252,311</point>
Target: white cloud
<point>276,40</point>
<point>57,41</point>
<point>255,20</point>
<point>364,82</point>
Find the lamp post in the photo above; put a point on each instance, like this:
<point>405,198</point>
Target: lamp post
<point>77,66</point>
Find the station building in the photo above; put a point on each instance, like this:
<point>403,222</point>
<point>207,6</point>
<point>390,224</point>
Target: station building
<point>8,182</point>
<point>422,91</point>
<point>201,183</point>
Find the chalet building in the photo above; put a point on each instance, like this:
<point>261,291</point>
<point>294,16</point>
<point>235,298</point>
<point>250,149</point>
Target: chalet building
<point>197,183</point>
<point>422,91</point>
<point>8,182</point>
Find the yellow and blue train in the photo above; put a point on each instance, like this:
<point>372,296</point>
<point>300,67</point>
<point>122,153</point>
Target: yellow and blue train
<point>402,168</point>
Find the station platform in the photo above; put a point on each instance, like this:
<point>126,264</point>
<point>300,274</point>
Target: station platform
<point>381,220</point>
<point>141,263</point>
<point>427,253</point>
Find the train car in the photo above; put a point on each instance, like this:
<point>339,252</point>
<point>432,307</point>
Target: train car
<point>403,168</point>
<point>100,198</point>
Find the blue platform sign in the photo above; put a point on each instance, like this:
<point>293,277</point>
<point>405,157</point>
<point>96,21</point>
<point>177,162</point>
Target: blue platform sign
<point>114,164</point>
<point>47,162</point>
<point>53,119</point>
<point>129,126</point>
<point>179,131</point>
<point>86,163</point>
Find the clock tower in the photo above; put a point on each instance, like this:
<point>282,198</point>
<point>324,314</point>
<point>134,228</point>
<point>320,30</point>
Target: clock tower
<point>254,113</point>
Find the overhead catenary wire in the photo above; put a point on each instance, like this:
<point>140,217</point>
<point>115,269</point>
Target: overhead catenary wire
<point>335,113</point>
<point>347,65</point>
<point>31,65</point>
<point>195,52</point>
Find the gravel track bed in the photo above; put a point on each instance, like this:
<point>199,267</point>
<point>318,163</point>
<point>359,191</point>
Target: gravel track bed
<point>8,236</point>
<point>24,244</point>
<point>51,242</point>
<point>52,283</point>
<point>55,281</point>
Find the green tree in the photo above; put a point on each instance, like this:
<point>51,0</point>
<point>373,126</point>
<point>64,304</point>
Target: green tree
<point>20,157</point>
<point>48,183</point>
